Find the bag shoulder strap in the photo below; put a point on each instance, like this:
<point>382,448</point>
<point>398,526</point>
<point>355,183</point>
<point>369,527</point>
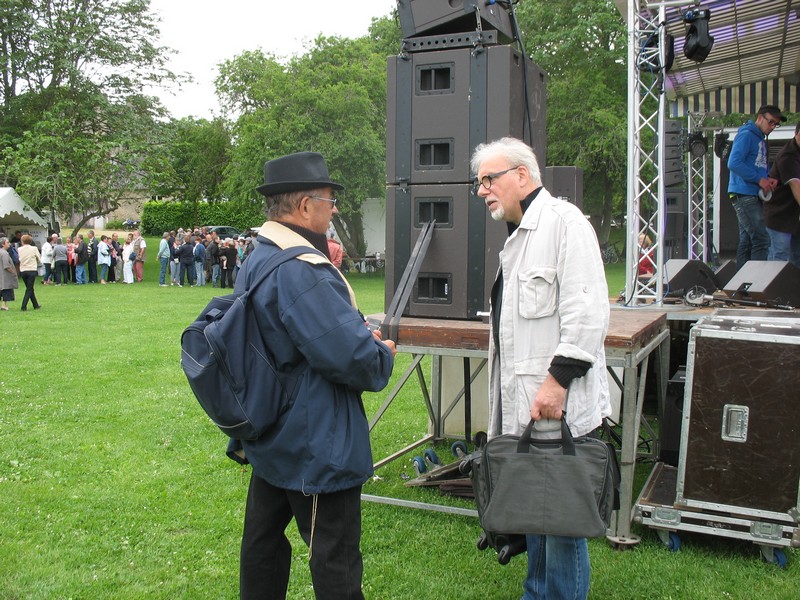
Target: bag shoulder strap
<point>277,260</point>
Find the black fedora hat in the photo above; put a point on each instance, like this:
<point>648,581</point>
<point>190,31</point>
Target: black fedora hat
<point>294,172</point>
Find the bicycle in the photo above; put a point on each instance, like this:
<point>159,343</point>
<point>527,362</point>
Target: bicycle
<point>611,254</point>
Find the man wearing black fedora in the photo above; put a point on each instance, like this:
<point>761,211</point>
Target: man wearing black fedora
<point>312,463</point>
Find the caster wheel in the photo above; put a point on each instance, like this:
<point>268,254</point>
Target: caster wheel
<point>458,449</point>
<point>419,465</point>
<point>483,542</point>
<point>774,556</point>
<point>480,439</point>
<point>674,543</point>
<point>432,457</point>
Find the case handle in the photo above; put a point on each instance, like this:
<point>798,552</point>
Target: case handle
<point>567,442</point>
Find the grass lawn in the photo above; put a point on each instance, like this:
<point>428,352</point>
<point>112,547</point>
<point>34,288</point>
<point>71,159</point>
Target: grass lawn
<point>114,484</point>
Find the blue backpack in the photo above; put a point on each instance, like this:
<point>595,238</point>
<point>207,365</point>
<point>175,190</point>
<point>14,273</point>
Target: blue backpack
<point>229,365</point>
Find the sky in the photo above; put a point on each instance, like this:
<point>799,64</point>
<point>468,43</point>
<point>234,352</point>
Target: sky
<point>206,32</point>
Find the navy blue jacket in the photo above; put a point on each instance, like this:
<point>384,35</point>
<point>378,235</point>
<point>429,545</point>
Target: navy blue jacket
<point>321,444</point>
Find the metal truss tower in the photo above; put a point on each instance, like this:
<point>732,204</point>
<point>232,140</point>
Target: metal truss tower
<point>646,152</point>
<point>698,191</point>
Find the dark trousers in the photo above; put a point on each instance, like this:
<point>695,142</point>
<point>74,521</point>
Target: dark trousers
<point>227,278</point>
<point>91,268</point>
<point>62,272</point>
<point>266,555</point>
<point>188,271</point>
<point>29,277</point>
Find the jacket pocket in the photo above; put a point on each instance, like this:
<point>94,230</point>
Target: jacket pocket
<point>538,294</point>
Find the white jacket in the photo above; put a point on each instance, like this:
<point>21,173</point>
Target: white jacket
<point>554,302</point>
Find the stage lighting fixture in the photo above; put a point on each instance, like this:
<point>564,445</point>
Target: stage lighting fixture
<point>649,59</point>
<point>698,43</point>
<point>698,144</point>
<point>722,145</point>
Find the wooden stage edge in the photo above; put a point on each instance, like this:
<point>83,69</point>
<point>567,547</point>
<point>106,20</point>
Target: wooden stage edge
<point>627,328</point>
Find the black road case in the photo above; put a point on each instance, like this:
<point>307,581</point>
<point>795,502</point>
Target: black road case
<point>738,472</point>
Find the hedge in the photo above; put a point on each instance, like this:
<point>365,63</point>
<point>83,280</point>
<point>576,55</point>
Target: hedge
<point>159,216</point>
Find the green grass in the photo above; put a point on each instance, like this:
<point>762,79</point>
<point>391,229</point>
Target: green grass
<point>114,484</point>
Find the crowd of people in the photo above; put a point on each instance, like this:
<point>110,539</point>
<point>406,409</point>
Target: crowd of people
<point>191,257</point>
<point>195,257</point>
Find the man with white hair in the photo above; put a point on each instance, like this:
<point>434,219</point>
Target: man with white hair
<point>549,317</point>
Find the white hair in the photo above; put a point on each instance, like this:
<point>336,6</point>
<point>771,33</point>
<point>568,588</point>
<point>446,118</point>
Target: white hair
<point>517,152</point>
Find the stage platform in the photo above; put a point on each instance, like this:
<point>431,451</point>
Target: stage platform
<point>633,336</point>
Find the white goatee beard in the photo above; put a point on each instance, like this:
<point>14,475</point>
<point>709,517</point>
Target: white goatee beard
<point>499,214</point>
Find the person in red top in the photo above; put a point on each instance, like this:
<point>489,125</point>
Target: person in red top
<point>647,265</point>
<point>335,250</point>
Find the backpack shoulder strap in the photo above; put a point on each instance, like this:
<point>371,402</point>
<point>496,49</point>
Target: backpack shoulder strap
<point>276,261</point>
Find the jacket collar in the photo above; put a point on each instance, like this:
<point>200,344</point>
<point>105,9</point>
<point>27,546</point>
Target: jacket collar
<point>283,237</point>
<point>532,210</point>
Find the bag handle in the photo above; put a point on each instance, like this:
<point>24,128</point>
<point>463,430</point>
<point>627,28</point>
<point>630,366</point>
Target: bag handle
<point>567,442</point>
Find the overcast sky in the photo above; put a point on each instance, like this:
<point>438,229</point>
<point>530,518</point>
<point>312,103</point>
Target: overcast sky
<point>206,32</point>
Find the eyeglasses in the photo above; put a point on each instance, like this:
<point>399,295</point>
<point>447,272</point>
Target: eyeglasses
<point>773,122</point>
<point>486,180</point>
<point>331,200</point>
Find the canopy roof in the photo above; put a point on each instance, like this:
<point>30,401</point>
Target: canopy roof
<point>14,210</point>
<point>755,58</point>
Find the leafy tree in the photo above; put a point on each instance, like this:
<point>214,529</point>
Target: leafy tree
<point>331,100</point>
<point>196,153</point>
<point>582,46</point>
<point>75,127</point>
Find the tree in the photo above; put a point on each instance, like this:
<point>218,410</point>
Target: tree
<point>196,153</point>
<point>330,100</point>
<point>75,125</point>
<point>62,165</point>
<point>582,46</point>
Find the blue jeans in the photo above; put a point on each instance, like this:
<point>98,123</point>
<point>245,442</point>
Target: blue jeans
<point>784,246</point>
<point>80,274</point>
<point>200,274</point>
<point>558,568</point>
<point>103,271</point>
<point>753,236</point>
<point>162,276</point>
<point>214,275</point>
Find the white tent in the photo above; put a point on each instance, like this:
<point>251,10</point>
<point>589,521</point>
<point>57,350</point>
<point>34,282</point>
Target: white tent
<point>16,215</point>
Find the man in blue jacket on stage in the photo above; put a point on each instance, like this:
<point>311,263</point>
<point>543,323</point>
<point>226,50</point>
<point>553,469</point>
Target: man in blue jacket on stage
<point>312,463</point>
<point>749,176</point>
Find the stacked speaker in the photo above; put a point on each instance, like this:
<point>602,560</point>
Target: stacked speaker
<point>454,86</point>
<point>676,200</point>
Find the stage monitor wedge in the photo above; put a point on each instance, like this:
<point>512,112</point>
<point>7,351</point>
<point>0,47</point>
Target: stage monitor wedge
<point>766,281</point>
<point>434,17</point>
<point>684,275</point>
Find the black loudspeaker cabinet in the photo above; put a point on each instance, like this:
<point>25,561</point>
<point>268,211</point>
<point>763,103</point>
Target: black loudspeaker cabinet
<point>740,443</point>
<point>565,183</point>
<point>669,424</point>
<point>442,104</point>
<point>766,281</point>
<point>684,274</point>
<point>459,268</point>
<point>436,17</point>
<point>725,272</point>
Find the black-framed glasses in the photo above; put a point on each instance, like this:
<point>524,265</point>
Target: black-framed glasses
<point>773,122</point>
<point>486,180</point>
<point>333,200</point>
